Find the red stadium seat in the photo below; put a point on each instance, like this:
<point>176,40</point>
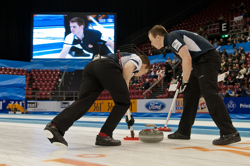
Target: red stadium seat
<point>160,96</point>
<point>180,96</point>
<point>165,95</point>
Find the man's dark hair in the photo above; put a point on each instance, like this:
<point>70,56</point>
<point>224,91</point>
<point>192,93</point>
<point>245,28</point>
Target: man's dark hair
<point>79,21</point>
<point>145,60</point>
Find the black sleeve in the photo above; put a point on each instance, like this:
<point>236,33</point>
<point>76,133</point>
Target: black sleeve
<point>175,40</point>
<point>95,35</point>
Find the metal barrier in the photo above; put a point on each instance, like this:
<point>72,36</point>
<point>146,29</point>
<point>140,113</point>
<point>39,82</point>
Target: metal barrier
<point>144,93</point>
<point>214,28</point>
<point>63,94</point>
<point>131,48</point>
<point>62,78</point>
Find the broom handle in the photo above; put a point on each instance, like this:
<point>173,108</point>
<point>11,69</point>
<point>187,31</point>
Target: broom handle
<point>128,111</point>
<point>130,127</point>
<point>172,105</point>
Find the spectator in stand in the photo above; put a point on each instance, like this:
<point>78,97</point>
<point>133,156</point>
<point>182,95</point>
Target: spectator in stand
<point>234,9</point>
<point>221,19</point>
<point>229,41</point>
<point>248,73</point>
<point>152,74</point>
<point>218,52</point>
<point>242,39</point>
<point>168,72</point>
<point>232,79</point>
<point>159,72</point>
<point>169,60</point>
<point>165,51</point>
<point>241,50</point>
<point>230,69</point>
<point>224,69</point>
<point>171,64</point>
<point>240,92</point>
<point>223,63</point>
<point>158,65</point>
<point>234,57</point>
<point>243,70</point>
<point>225,81</point>
<point>237,40</point>
<point>238,35</point>
<point>163,70</point>
<point>242,58</point>
<point>229,63</point>
<point>216,43</point>
<point>229,92</point>
<point>235,50</point>
<point>135,80</point>
<point>248,38</point>
<point>224,52</point>
<point>154,65</point>
<point>236,62</point>
<point>150,53</point>
<point>230,56</point>
<point>234,69</point>
<point>237,68</point>
<point>173,81</point>
<point>175,60</point>
<point>220,70</point>
<point>222,42</point>
<point>237,56</point>
<point>146,84</point>
<point>239,78</point>
<point>242,6</point>
<point>244,32</point>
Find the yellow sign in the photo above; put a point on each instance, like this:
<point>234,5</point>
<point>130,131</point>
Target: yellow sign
<point>107,106</point>
<point>202,107</point>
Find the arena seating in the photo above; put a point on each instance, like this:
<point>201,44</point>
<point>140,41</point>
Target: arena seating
<point>43,81</point>
<point>208,16</point>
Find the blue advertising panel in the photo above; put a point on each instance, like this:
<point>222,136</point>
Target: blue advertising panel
<point>237,105</point>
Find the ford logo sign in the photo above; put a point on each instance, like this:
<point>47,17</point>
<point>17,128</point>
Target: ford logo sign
<point>155,105</point>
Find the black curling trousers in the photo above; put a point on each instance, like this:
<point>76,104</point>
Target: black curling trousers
<point>97,76</point>
<point>203,81</point>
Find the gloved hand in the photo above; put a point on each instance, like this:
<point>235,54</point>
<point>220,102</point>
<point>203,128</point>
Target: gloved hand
<point>183,84</point>
<point>130,122</point>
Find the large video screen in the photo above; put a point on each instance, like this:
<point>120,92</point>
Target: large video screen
<point>73,35</point>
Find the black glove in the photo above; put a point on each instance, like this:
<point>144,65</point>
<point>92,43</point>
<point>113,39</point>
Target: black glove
<point>183,84</point>
<point>130,122</point>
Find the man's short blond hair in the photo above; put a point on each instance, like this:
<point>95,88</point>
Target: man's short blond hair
<point>158,30</point>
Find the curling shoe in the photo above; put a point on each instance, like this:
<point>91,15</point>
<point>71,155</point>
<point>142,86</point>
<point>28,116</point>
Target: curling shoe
<point>106,141</point>
<point>227,139</point>
<point>54,136</point>
<point>177,135</point>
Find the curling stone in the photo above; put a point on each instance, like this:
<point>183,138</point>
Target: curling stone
<point>151,135</point>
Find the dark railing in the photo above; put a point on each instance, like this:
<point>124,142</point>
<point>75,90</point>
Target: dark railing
<point>49,95</point>
<point>131,48</point>
<point>61,80</point>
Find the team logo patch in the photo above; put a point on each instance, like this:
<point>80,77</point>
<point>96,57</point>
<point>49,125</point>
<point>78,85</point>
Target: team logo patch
<point>176,44</point>
<point>90,46</point>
